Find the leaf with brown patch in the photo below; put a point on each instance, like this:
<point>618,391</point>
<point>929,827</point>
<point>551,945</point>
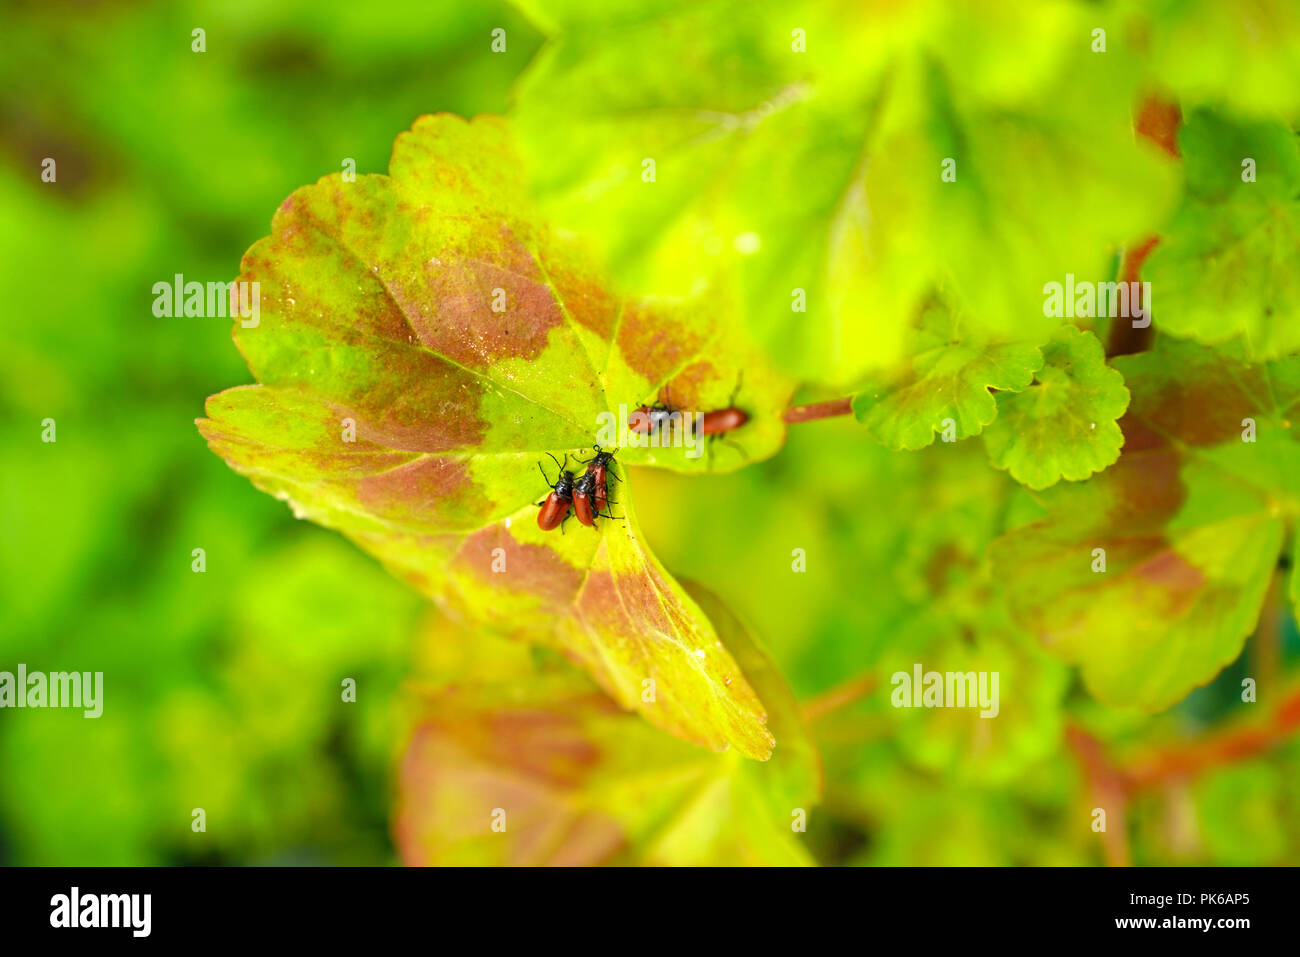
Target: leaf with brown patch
<point>535,766</point>
<point>422,343</point>
<point>1151,575</point>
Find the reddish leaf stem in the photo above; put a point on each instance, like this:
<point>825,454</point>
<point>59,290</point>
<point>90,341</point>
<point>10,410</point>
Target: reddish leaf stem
<point>819,410</point>
<point>845,693</point>
<point>1114,785</point>
<point>1106,784</point>
<point>1157,119</point>
<point>1224,747</point>
<point>1125,338</point>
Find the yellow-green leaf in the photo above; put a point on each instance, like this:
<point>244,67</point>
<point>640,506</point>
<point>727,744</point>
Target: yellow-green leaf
<point>422,344</point>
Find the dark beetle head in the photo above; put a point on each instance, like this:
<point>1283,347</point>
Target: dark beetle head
<point>602,459</point>
<point>564,486</point>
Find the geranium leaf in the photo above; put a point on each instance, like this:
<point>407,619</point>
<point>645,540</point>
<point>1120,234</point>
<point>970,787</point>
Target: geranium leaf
<point>422,345</point>
<point>573,780</point>
<point>1064,424</point>
<point>1229,264</point>
<point>857,160</point>
<point>951,372</point>
<point>1151,575</point>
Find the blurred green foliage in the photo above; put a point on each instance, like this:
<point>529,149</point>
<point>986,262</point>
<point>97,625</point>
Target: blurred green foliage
<point>222,688</point>
<point>798,145</point>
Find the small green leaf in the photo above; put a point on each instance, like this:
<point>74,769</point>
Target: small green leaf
<point>1229,264</point>
<point>1064,425</point>
<point>947,386</point>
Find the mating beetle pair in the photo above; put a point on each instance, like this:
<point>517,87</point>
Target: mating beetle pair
<point>588,496</point>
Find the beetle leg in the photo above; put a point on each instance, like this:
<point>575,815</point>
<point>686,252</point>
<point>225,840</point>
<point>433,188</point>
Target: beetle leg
<point>739,449</point>
<point>736,391</point>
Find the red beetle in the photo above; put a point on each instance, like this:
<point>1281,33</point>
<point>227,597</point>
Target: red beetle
<point>599,469</point>
<point>717,423</point>
<point>725,420</point>
<point>590,495</point>
<point>722,420</point>
<point>584,494</point>
<point>555,507</point>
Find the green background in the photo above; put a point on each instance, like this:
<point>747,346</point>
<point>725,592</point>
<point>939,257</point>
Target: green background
<point>222,688</point>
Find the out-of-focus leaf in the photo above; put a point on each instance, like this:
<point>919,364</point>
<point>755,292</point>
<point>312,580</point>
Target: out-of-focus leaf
<point>1244,54</point>
<point>1229,264</point>
<point>988,742</point>
<point>839,547</point>
<point>378,315</point>
<point>1064,425</point>
<point>568,778</point>
<point>917,817</point>
<point>801,148</point>
<point>1238,815</point>
<point>953,368</point>
<point>1191,520</point>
